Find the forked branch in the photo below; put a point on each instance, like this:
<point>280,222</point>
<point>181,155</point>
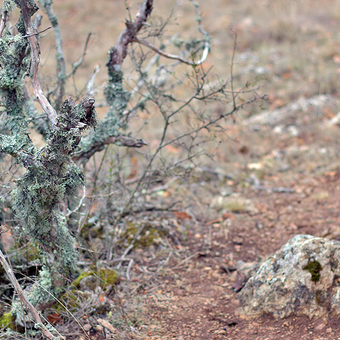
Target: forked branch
<point>119,51</point>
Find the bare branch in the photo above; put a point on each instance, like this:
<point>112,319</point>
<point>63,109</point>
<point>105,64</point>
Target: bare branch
<point>80,203</point>
<point>118,140</point>
<point>61,68</point>
<point>176,57</point>
<point>119,51</point>
<point>107,131</point>
<point>35,51</point>
<point>23,298</point>
<point>29,35</point>
<point>90,84</point>
<point>78,63</point>
<point>179,58</point>
<point>154,60</point>
<point>4,18</point>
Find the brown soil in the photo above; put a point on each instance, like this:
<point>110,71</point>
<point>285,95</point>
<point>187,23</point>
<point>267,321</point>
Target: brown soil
<point>191,296</point>
<point>198,301</point>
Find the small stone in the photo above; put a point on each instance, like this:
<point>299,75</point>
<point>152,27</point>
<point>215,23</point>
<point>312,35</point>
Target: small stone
<point>320,327</point>
<point>238,240</point>
<point>87,327</point>
<point>99,328</point>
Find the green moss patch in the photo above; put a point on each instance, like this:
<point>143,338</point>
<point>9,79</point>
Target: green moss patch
<point>314,267</point>
<point>108,277</point>
<point>6,320</point>
<point>147,237</point>
<point>103,277</point>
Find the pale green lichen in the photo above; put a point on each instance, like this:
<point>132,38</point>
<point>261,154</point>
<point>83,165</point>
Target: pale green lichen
<point>8,5</point>
<point>117,98</point>
<point>50,178</point>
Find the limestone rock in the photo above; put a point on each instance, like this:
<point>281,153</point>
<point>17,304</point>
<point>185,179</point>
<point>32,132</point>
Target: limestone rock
<point>302,278</point>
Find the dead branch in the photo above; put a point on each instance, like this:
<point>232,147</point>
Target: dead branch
<point>61,68</point>
<point>29,35</point>
<point>176,57</point>
<point>35,59</point>
<point>119,51</point>
<point>90,84</point>
<point>179,58</point>
<point>4,18</point>
<point>116,96</point>
<point>78,63</point>
<point>23,298</point>
<point>99,146</point>
<point>154,60</point>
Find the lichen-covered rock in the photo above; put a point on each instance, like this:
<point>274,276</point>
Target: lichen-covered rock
<point>303,277</point>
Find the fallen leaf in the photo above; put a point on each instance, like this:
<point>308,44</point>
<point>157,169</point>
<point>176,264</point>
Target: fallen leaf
<point>181,215</point>
<point>54,318</point>
<point>227,215</point>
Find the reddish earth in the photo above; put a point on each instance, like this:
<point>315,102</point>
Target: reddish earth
<point>289,170</point>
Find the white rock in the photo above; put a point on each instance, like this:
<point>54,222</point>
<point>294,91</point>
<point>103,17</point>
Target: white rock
<point>285,284</point>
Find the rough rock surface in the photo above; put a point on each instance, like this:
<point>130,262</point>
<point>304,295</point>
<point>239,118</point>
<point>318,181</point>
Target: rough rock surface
<point>303,277</point>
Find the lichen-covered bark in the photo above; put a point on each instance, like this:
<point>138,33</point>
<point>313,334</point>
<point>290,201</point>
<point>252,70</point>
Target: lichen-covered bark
<point>51,174</point>
<point>118,99</point>
<point>116,96</point>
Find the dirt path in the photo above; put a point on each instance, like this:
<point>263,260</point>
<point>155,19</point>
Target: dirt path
<point>195,299</point>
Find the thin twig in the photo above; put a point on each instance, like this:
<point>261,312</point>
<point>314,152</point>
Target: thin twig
<point>127,250</point>
<point>176,57</point>
<point>153,60</point>
<point>186,259</point>
<point>61,67</point>
<point>155,273</point>
<point>179,58</point>
<point>23,298</point>
<point>29,35</point>
<point>90,84</point>
<point>80,203</point>
<point>128,270</point>
<point>78,63</point>
<point>63,305</point>
<point>232,70</point>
